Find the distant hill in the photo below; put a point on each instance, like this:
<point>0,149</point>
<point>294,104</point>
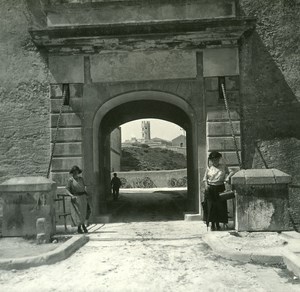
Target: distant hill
<point>146,158</point>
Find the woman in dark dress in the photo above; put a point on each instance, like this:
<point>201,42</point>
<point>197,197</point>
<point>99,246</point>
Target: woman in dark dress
<point>215,176</point>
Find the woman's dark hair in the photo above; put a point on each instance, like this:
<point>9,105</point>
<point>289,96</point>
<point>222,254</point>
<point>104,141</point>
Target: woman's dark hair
<point>214,154</point>
<point>75,168</point>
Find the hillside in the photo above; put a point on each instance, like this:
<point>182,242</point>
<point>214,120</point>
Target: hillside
<point>145,158</point>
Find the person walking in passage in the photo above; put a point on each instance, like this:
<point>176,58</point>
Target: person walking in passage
<point>115,185</point>
<point>79,202</point>
<point>217,173</point>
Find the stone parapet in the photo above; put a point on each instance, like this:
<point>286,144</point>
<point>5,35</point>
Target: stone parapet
<point>27,184</point>
<point>262,200</point>
<point>260,177</point>
<point>26,200</point>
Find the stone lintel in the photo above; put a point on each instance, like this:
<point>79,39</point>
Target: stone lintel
<point>260,177</point>
<point>28,184</point>
<point>214,29</point>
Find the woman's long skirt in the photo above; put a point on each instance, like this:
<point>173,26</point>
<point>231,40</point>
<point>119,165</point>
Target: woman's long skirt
<point>215,210</point>
<point>78,210</point>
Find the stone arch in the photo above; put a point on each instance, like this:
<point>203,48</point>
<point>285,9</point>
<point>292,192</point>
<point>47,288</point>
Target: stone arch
<point>144,96</point>
<point>129,97</point>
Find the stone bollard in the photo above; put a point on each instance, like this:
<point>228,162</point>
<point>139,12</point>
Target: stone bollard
<point>25,201</point>
<point>261,200</point>
<point>42,233</point>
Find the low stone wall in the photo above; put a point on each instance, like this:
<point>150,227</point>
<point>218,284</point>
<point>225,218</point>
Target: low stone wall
<point>181,150</point>
<point>153,179</point>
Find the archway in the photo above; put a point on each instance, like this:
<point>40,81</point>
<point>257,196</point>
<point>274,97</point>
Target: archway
<point>137,105</point>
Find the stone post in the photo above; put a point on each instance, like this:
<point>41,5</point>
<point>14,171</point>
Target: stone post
<point>261,200</point>
<point>25,201</point>
<point>42,234</point>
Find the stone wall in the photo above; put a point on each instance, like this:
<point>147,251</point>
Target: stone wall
<point>270,86</point>
<point>270,90</point>
<point>24,97</point>
<point>68,137</point>
<point>115,150</point>
<point>154,179</point>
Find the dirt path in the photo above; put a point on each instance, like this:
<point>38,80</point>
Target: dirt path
<point>147,256</point>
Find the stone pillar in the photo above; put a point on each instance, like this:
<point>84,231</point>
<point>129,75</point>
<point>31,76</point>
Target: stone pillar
<point>261,200</point>
<point>25,200</point>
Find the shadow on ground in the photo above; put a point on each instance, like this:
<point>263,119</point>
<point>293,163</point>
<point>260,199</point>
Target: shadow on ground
<point>149,206</point>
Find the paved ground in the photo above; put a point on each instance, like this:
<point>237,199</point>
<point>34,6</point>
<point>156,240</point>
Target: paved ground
<point>12,247</point>
<point>148,255</point>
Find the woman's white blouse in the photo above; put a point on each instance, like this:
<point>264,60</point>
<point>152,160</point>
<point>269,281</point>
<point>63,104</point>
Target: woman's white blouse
<point>216,175</point>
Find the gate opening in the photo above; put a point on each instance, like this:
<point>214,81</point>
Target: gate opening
<point>149,158</point>
<point>110,127</point>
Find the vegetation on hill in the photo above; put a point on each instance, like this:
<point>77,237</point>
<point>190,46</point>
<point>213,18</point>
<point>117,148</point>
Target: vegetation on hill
<point>146,158</point>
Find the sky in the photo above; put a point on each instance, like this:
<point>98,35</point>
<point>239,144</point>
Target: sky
<point>159,128</point>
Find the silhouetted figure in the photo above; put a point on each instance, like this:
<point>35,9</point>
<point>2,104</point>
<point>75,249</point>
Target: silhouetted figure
<point>115,185</point>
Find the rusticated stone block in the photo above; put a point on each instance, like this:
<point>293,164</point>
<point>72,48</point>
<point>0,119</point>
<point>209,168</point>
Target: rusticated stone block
<point>222,128</point>
<point>56,90</point>
<point>76,90</point>
<point>211,84</point>
<point>68,149</point>
<point>66,120</point>
<point>231,157</point>
<point>232,82</point>
<point>212,98</point>
<point>60,177</point>
<point>55,105</point>
<point>67,69</point>
<point>65,163</point>
<point>222,143</point>
<point>220,62</point>
<point>221,115</point>
<point>233,97</point>
<point>67,135</point>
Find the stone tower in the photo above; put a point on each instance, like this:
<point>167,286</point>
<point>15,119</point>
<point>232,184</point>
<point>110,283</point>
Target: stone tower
<point>146,136</point>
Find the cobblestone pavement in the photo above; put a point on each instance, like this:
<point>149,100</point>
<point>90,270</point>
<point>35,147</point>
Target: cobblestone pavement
<point>149,255</point>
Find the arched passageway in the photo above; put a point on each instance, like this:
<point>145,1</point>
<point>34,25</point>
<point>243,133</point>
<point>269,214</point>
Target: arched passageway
<point>137,105</point>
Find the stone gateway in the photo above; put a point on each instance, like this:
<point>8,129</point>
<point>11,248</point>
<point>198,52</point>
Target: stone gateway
<point>127,60</point>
